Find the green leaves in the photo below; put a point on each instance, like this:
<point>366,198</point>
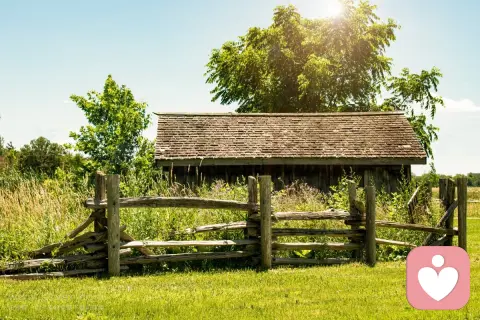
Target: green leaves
<point>302,65</point>
<point>116,122</point>
<point>322,65</point>
<point>416,90</point>
<point>41,156</point>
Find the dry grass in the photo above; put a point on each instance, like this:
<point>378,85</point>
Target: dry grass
<point>473,193</point>
<point>34,214</point>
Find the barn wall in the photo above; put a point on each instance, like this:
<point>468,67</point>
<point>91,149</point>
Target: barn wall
<point>319,176</point>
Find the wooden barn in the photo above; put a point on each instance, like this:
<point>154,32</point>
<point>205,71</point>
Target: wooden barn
<point>317,148</point>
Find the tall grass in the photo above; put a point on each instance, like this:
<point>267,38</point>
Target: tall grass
<point>36,212</point>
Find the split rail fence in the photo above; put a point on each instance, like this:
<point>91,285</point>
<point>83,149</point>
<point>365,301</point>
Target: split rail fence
<point>109,246</point>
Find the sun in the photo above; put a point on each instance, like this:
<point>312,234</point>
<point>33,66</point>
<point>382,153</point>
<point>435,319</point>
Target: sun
<point>319,9</point>
<point>334,8</point>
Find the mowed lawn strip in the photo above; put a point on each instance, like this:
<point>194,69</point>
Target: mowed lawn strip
<point>352,291</point>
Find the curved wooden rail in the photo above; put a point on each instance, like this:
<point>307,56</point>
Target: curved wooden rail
<point>178,202</point>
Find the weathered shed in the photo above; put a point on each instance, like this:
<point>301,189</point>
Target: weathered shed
<point>314,147</point>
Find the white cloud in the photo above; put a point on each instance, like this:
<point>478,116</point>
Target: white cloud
<point>464,105</point>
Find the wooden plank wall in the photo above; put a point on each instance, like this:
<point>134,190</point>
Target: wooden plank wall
<point>318,176</point>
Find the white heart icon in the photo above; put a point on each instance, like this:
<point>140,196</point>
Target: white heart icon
<point>438,286</point>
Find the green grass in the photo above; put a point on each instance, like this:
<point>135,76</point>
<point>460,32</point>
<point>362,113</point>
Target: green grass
<point>347,292</point>
<point>34,213</point>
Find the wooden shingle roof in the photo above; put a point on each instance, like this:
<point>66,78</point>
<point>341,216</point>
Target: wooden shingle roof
<point>308,138</point>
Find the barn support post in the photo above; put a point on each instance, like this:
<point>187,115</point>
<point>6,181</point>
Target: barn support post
<point>447,196</point>
<point>266,221</point>
<point>462,212</point>
<point>352,196</point>
<point>170,176</point>
<point>100,195</point>
<point>370,242</point>
<point>113,222</point>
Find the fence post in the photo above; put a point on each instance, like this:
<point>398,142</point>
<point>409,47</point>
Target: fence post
<point>447,200</point>
<point>266,221</point>
<point>352,197</point>
<point>370,242</point>
<point>100,195</point>
<point>113,223</point>
<point>462,212</point>
<point>252,232</point>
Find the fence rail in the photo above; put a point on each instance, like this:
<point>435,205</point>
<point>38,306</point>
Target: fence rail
<point>282,232</point>
<point>174,202</point>
<point>110,248</point>
<point>196,243</point>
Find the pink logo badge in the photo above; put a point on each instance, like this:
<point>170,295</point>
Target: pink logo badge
<point>438,278</point>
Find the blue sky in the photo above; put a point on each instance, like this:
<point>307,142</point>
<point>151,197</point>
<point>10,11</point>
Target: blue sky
<point>52,49</point>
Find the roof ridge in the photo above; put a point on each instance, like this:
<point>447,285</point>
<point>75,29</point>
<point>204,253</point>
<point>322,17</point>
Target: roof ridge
<point>312,114</point>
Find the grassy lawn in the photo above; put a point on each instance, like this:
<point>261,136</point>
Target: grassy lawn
<point>345,292</point>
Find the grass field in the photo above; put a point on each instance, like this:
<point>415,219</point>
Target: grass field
<point>346,292</point>
<point>352,291</point>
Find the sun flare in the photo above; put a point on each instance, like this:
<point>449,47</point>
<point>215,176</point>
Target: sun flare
<point>319,9</point>
<point>334,8</point>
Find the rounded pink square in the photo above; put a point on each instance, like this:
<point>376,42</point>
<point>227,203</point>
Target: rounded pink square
<point>441,284</point>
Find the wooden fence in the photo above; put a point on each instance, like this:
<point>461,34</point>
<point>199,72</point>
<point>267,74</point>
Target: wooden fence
<point>109,246</point>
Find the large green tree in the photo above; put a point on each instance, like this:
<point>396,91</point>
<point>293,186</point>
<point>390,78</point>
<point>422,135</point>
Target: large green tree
<point>322,65</point>
<point>116,122</point>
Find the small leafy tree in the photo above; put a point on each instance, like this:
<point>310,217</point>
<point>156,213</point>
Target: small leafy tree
<point>41,156</point>
<point>323,65</point>
<point>116,122</point>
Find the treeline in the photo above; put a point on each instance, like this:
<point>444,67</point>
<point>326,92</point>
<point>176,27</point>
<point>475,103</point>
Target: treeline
<point>43,158</point>
<point>473,178</point>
